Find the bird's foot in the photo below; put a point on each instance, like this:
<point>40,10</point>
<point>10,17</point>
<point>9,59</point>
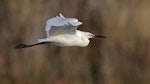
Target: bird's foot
<point>21,46</point>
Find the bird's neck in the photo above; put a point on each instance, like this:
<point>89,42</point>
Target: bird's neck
<point>84,41</point>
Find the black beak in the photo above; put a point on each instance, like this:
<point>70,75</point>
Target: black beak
<point>98,36</point>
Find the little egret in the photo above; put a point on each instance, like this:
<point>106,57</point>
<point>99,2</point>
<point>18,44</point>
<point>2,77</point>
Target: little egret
<point>62,31</point>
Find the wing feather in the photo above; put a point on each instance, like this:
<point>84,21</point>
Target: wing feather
<point>61,25</point>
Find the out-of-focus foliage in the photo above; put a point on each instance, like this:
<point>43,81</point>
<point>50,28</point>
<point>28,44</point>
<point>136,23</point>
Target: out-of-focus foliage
<point>123,58</point>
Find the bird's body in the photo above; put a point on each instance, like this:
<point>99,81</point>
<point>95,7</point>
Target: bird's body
<point>63,31</point>
<point>76,39</point>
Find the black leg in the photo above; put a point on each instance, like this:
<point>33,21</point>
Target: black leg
<point>26,46</point>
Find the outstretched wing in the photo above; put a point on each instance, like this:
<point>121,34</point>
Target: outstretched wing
<point>61,25</point>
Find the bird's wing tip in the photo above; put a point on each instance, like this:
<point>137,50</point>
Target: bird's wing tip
<point>60,14</point>
<point>75,23</point>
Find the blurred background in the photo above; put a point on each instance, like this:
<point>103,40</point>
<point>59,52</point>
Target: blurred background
<point>123,58</point>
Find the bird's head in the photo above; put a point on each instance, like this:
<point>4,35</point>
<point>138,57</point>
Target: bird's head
<point>90,35</point>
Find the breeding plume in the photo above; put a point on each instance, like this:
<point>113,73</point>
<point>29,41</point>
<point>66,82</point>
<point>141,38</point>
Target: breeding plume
<point>62,31</point>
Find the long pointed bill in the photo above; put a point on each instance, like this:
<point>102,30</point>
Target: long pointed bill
<point>26,46</point>
<point>98,36</point>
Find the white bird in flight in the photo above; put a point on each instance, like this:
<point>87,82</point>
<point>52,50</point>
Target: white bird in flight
<point>62,31</point>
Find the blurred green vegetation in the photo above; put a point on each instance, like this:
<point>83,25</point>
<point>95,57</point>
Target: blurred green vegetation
<point>123,58</point>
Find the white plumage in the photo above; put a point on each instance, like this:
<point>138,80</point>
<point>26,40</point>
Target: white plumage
<point>62,31</point>
<point>61,25</point>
